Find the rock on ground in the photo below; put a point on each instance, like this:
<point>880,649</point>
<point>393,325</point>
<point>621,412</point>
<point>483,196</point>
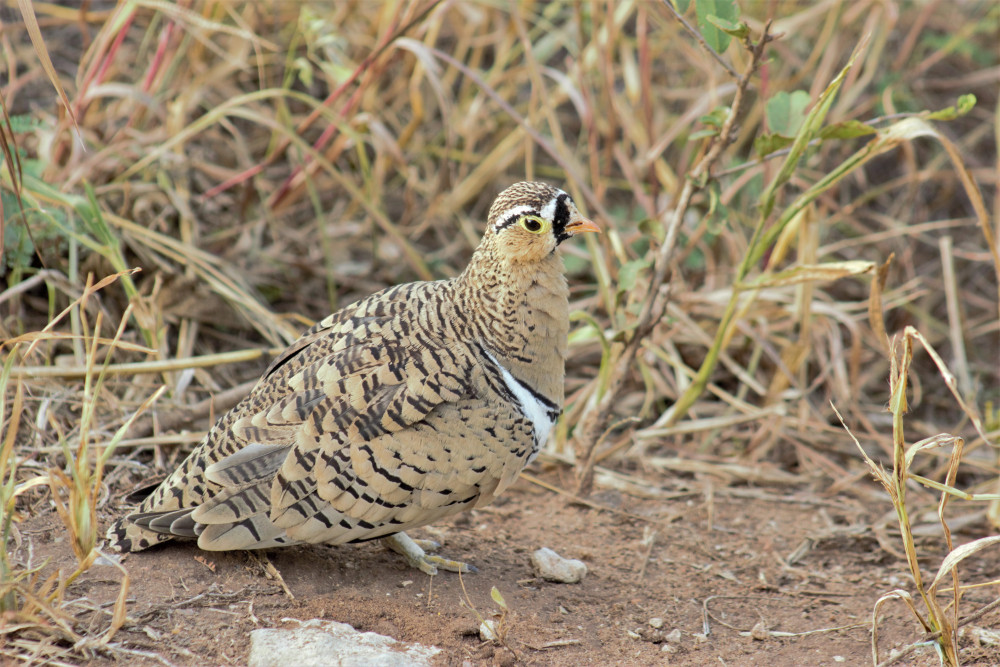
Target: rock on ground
<point>333,644</point>
<point>552,567</point>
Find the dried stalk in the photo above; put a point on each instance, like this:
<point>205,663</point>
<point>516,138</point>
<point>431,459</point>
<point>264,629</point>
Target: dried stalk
<point>595,421</point>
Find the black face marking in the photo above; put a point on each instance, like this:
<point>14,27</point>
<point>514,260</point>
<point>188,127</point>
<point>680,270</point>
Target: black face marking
<point>561,218</point>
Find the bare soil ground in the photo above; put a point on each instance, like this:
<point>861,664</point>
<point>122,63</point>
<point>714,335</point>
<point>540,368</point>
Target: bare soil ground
<point>738,576</point>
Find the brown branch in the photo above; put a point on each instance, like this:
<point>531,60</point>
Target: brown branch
<point>594,422</point>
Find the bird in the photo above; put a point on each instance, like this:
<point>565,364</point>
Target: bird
<point>410,405</point>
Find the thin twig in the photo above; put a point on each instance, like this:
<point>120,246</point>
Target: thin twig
<point>698,37</point>
<point>140,367</point>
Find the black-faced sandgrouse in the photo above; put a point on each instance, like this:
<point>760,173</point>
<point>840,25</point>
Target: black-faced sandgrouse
<point>411,405</point>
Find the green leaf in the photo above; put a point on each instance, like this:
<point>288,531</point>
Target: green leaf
<point>695,260</point>
<point>682,5</point>
<point>495,594</point>
<point>701,134</point>
<point>738,30</point>
<point>304,69</point>
<point>786,112</point>
<point>813,123</point>
<point>725,10</point>
<point>716,117</point>
<point>20,123</point>
<point>848,129</point>
<point>650,227</point>
<point>716,209</point>
<point>766,144</point>
<point>966,103</point>
<point>630,272</point>
<point>964,106</point>
<point>714,120</point>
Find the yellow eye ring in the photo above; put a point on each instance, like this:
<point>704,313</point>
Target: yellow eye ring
<point>534,224</point>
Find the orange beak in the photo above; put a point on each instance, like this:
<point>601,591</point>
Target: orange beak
<point>581,225</point>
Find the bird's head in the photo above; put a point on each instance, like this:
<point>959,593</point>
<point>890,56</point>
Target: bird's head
<point>528,221</point>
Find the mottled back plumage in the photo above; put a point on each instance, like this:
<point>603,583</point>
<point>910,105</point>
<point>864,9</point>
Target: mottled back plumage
<point>410,405</point>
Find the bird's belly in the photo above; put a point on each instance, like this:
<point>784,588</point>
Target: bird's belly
<point>462,455</point>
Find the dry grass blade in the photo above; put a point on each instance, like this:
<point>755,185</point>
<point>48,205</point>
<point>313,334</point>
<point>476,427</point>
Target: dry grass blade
<point>74,493</point>
<point>897,594</point>
<point>875,316</point>
<point>957,555</point>
<point>8,469</point>
<point>942,620</point>
<point>138,367</point>
<point>35,33</point>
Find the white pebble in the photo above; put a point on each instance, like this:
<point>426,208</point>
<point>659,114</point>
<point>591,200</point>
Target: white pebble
<point>488,630</point>
<point>552,567</point>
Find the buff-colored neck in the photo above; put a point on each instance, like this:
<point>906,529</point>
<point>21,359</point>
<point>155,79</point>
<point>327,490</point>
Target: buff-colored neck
<point>520,311</point>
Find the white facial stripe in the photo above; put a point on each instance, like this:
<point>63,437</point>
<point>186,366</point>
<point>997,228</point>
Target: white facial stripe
<point>517,210</point>
<point>532,408</point>
<point>549,212</point>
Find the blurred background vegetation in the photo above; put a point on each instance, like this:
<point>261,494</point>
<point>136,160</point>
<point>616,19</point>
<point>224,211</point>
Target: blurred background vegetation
<point>264,163</point>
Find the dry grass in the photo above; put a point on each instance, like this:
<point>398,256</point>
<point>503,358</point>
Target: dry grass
<point>264,163</point>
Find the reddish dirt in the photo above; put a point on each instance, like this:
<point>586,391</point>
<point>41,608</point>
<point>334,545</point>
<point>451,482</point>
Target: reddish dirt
<point>194,607</point>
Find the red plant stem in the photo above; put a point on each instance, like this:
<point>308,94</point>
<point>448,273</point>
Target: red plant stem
<point>102,71</point>
<point>391,34</point>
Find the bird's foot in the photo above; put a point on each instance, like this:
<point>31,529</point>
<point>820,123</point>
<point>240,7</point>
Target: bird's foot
<point>415,552</point>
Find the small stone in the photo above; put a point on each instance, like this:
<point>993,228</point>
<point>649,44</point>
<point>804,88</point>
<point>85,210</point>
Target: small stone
<point>667,648</point>
<point>633,634</point>
<point>673,636</point>
<point>315,641</point>
<point>404,584</point>
<point>488,630</point>
<point>552,567</point>
<point>656,623</point>
<point>760,631</point>
<point>839,658</point>
<point>651,635</point>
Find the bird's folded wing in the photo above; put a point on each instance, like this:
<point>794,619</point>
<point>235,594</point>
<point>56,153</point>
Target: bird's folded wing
<point>378,436</point>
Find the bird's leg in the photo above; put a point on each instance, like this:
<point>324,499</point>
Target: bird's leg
<point>413,551</point>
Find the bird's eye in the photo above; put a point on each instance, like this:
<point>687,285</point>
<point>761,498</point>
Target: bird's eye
<point>534,224</point>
